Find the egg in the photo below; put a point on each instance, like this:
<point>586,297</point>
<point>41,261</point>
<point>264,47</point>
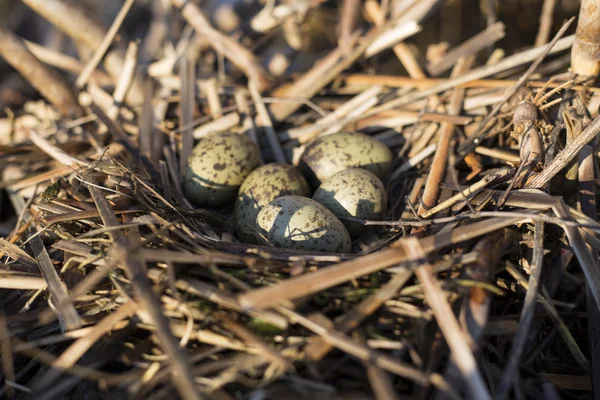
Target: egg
<point>355,193</point>
<point>217,167</point>
<point>262,186</point>
<point>330,154</point>
<point>296,222</point>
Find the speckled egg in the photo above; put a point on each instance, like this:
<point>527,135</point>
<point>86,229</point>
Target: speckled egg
<point>217,167</point>
<point>296,222</point>
<point>355,193</point>
<point>334,153</point>
<point>262,186</point>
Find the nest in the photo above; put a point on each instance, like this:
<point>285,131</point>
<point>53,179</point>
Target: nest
<point>483,279</point>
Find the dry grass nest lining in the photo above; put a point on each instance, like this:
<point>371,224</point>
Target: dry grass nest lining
<point>113,283</point>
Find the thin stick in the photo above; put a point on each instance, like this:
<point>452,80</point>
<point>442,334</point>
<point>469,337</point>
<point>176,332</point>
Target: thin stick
<point>481,72</point>
<point>49,83</point>
<point>526,318</point>
<point>546,18</point>
<point>476,138</point>
<point>240,56</point>
<point>567,155</point>
<point>323,72</point>
<point>440,159</point>
<point>76,350</point>
<point>85,75</point>
<point>148,300</point>
<point>486,180</point>
<point>413,161</point>
<point>265,119</point>
<point>125,80</point>
<point>583,254</point>
<point>64,306</point>
<point>480,41</point>
<point>188,74</point>
<point>461,353</point>
<point>325,278</point>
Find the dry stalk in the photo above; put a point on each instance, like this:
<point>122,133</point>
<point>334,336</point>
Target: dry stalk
<point>48,82</point>
<point>440,159</point>
<point>585,54</point>
<point>74,19</point>
<point>567,155</point>
<point>240,56</point>
<point>100,52</point>
<point>480,41</point>
<point>325,278</point>
<point>461,353</point>
<point>526,314</point>
<point>545,23</point>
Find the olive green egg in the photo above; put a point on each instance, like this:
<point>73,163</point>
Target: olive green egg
<point>330,154</point>
<point>355,193</point>
<point>296,222</point>
<point>217,167</point>
<point>262,186</point>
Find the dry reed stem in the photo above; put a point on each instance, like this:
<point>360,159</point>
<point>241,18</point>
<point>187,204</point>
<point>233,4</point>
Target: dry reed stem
<point>49,83</point>
<point>318,349</point>
<point>267,124</point>
<point>188,102</point>
<point>100,51</point>
<point>585,54</point>
<point>440,159</point>
<point>478,42</point>
<point>566,156</point>
<point>475,139</point>
<point>478,73</point>
<point>584,256</point>
<point>240,56</point>
<point>546,18</point>
<point>486,180</point>
<point>527,313</point>
<point>587,205</point>
<point>75,20</point>
<point>148,300</point>
<point>76,350</point>
<point>65,308</point>
<point>125,80</point>
<point>360,81</point>
<point>65,62</point>
<point>320,75</point>
<point>436,298</point>
<point>325,278</point>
